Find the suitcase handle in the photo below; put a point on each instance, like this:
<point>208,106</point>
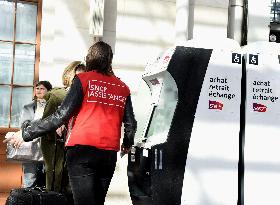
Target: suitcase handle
<point>41,189</point>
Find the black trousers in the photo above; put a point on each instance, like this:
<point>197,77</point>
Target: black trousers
<point>90,172</point>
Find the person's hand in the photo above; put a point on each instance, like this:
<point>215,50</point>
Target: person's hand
<point>124,150</point>
<point>15,139</point>
<point>60,130</point>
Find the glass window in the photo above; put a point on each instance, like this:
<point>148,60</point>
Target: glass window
<point>18,64</point>
<point>6,61</point>
<point>7,9</point>
<point>24,64</point>
<point>21,96</point>
<point>5,105</point>
<point>26,22</point>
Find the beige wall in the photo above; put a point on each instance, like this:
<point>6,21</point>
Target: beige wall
<point>136,29</point>
<point>144,28</point>
<point>258,20</point>
<point>64,36</point>
<point>210,21</point>
<point>202,19</point>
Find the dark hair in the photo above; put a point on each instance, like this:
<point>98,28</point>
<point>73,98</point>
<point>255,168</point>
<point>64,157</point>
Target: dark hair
<point>80,67</point>
<point>99,58</point>
<point>45,83</point>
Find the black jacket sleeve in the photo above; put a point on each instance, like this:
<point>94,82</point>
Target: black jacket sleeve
<point>130,124</point>
<point>72,101</point>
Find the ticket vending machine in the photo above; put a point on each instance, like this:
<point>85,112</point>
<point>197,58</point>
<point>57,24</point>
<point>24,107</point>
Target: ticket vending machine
<point>262,130</point>
<point>187,147</point>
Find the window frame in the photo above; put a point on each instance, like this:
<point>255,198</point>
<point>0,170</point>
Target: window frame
<point>37,56</point>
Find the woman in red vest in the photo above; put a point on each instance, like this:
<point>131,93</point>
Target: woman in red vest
<point>96,106</point>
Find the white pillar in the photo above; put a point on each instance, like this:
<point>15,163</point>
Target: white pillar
<point>258,20</point>
<point>235,19</point>
<point>182,21</point>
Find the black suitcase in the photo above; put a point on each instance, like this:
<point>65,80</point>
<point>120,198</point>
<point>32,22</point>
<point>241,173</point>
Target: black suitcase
<point>37,195</point>
<point>32,196</point>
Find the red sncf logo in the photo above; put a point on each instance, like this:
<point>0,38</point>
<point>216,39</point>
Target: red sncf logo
<point>259,107</point>
<point>155,81</point>
<point>215,105</point>
<point>166,59</point>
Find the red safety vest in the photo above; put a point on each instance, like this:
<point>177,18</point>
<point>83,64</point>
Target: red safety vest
<point>99,120</point>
